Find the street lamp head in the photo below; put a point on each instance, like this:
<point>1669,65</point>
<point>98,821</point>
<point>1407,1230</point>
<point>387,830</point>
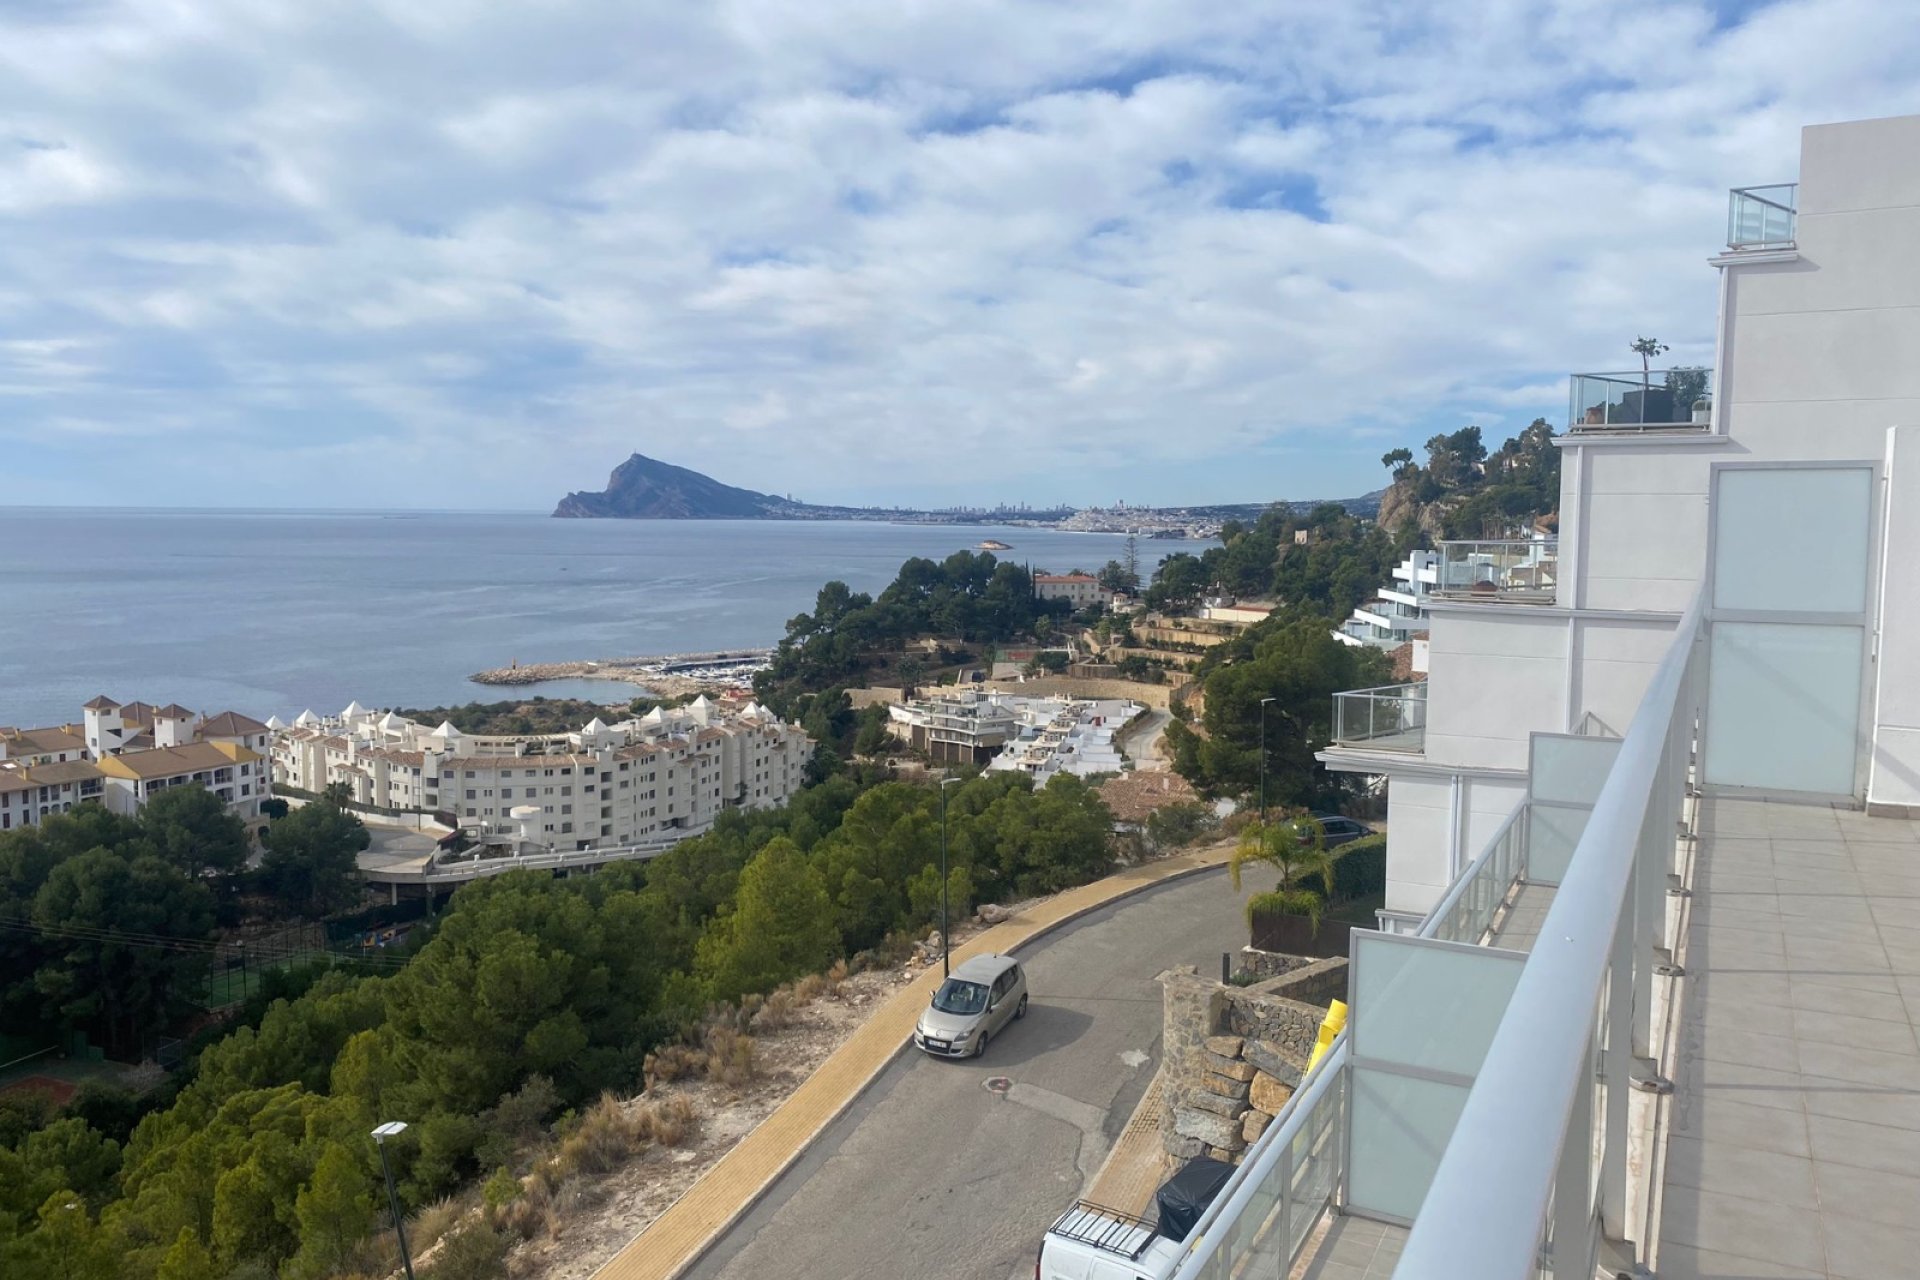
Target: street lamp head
<point>1265,701</point>
<point>391,1129</point>
<point>948,782</point>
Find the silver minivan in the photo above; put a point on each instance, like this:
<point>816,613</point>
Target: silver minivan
<point>976,1000</point>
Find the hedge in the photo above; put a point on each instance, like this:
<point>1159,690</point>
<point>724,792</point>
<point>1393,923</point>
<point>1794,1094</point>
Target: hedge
<point>1360,868</point>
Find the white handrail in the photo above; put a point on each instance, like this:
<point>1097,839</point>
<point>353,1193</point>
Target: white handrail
<point>1483,1215</point>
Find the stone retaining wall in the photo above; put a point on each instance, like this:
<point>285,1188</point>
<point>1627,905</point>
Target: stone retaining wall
<point>1231,1056</point>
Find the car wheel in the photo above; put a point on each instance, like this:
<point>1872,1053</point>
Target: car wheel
<point>980,1045</point>
<point>1020,1010</point>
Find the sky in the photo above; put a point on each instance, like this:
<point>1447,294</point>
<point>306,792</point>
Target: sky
<point>420,253</point>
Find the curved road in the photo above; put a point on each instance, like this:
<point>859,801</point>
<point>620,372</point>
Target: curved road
<point>931,1174</point>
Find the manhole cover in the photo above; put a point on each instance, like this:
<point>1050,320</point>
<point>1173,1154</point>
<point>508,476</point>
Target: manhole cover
<point>999,1084</point>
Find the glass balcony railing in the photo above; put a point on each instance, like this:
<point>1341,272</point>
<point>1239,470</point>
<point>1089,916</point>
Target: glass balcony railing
<point>1660,399</point>
<point>1389,718</point>
<point>1513,572</point>
<point>1762,217</point>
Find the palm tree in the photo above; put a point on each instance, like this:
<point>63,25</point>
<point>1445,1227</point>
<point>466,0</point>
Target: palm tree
<point>1647,349</point>
<point>337,794</point>
<point>1298,851</point>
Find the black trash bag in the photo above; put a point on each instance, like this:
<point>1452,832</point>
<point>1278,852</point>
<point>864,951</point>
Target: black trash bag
<point>1186,1195</point>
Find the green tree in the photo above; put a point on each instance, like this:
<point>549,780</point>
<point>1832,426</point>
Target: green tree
<point>1647,349</point>
<point>192,829</point>
<point>339,793</point>
<point>310,862</point>
<point>105,974</point>
<point>186,1259</point>
<point>1298,853</point>
<point>335,1210</point>
<point>781,926</point>
<point>1179,583</point>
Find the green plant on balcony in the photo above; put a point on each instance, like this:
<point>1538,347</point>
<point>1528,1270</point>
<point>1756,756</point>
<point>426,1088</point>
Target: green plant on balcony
<point>1298,852</point>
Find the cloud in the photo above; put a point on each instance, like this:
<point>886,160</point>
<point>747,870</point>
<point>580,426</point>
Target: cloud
<point>860,250</point>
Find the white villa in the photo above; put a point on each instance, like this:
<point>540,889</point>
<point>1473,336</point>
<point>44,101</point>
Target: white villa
<point>1398,611</point>
<point>659,777</point>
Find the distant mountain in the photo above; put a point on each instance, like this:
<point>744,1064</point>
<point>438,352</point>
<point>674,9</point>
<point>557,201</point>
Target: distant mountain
<point>643,488</point>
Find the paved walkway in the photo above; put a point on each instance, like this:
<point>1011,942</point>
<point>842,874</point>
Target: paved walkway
<point>1794,1146</point>
<point>678,1237</point>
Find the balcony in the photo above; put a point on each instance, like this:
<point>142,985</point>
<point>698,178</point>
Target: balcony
<point>1762,218</point>
<point>1388,718</point>
<point>1506,571</point>
<point>1636,400</point>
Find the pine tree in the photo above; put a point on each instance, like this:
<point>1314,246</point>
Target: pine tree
<point>781,927</point>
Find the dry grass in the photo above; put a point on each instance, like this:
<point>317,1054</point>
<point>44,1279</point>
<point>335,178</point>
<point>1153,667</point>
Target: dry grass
<point>433,1221</point>
<point>778,1012</point>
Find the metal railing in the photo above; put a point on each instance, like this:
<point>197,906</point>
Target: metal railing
<point>1472,905</point>
<point>1258,1223</point>
<point>1513,571</point>
<point>1638,399</point>
<point>1535,1177</point>
<point>1388,718</point>
<point>1762,217</point>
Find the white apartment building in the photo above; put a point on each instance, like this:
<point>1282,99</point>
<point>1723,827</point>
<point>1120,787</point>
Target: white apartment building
<point>1786,479</point>
<point>662,776</point>
<point>1078,589</point>
<point>121,754</point>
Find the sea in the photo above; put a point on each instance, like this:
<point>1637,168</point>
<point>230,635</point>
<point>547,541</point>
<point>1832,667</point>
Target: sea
<point>273,612</point>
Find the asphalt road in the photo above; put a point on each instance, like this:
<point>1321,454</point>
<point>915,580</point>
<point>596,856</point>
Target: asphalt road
<point>932,1174</point>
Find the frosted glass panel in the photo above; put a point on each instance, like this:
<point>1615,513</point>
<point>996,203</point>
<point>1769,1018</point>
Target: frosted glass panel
<point>1792,540</point>
<point>1427,1006</point>
<point>1401,1127</point>
<point>1552,834</point>
<point>1569,768</point>
<point>1783,704</point>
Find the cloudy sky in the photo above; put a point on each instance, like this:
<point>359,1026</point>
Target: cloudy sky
<point>428,253</point>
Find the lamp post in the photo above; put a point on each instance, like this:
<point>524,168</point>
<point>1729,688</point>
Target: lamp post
<point>66,1243</point>
<point>393,1129</point>
<point>1263,760</point>
<point>946,946</point>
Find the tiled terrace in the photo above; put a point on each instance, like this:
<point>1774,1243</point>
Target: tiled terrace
<point>1794,1146</point>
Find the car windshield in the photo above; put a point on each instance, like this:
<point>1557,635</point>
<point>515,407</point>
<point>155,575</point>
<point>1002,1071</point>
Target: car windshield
<point>956,996</point>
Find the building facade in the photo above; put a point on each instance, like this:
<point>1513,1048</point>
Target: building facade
<point>120,754</point>
<point>1788,487</point>
<point>659,777</point>
<point>1081,590</point>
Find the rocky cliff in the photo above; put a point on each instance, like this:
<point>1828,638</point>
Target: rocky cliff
<point>643,488</point>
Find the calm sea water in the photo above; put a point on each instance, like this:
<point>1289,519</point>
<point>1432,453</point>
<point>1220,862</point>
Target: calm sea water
<point>269,613</point>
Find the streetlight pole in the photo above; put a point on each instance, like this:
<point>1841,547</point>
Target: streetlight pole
<point>393,1128</point>
<point>1263,760</point>
<point>946,944</point>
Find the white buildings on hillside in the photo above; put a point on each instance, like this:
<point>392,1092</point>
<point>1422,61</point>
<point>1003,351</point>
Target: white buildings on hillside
<point>1784,482</point>
<point>120,755</point>
<point>1398,610</point>
<point>661,776</point>
<point>1041,736</point>
<point>1078,589</point>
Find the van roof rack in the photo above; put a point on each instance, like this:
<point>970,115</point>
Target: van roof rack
<point>1106,1229</point>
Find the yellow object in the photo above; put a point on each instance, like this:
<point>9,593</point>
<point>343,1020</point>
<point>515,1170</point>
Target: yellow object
<point>1330,1026</point>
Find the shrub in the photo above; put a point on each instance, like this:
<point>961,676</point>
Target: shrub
<point>673,1062</point>
<point>425,1228</point>
<point>812,987</point>
<point>666,1121</point>
<point>777,1013</point>
<point>474,1252</point>
<point>836,974</point>
<point>1360,868</point>
<point>603,1137</point>
<point>730,1057</point>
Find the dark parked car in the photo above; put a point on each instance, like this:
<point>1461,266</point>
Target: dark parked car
<point>1335,829</point>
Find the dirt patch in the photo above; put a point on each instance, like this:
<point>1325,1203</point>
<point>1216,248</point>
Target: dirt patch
<point>58,1092</point>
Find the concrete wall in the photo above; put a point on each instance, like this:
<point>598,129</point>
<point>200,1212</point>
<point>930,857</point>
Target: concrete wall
<point>1152,695</point>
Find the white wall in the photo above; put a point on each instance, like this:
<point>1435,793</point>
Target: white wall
<point>1497,677</point>
<point>1432,825</point>
<point>1894,777</point>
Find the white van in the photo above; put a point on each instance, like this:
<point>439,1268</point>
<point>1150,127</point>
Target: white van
<point>1094,1243</point>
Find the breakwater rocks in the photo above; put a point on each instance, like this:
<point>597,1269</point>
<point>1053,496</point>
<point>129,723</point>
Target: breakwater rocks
<point>721,667</point>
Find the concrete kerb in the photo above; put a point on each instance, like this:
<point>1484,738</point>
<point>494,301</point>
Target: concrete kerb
<point>630,1264</point>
